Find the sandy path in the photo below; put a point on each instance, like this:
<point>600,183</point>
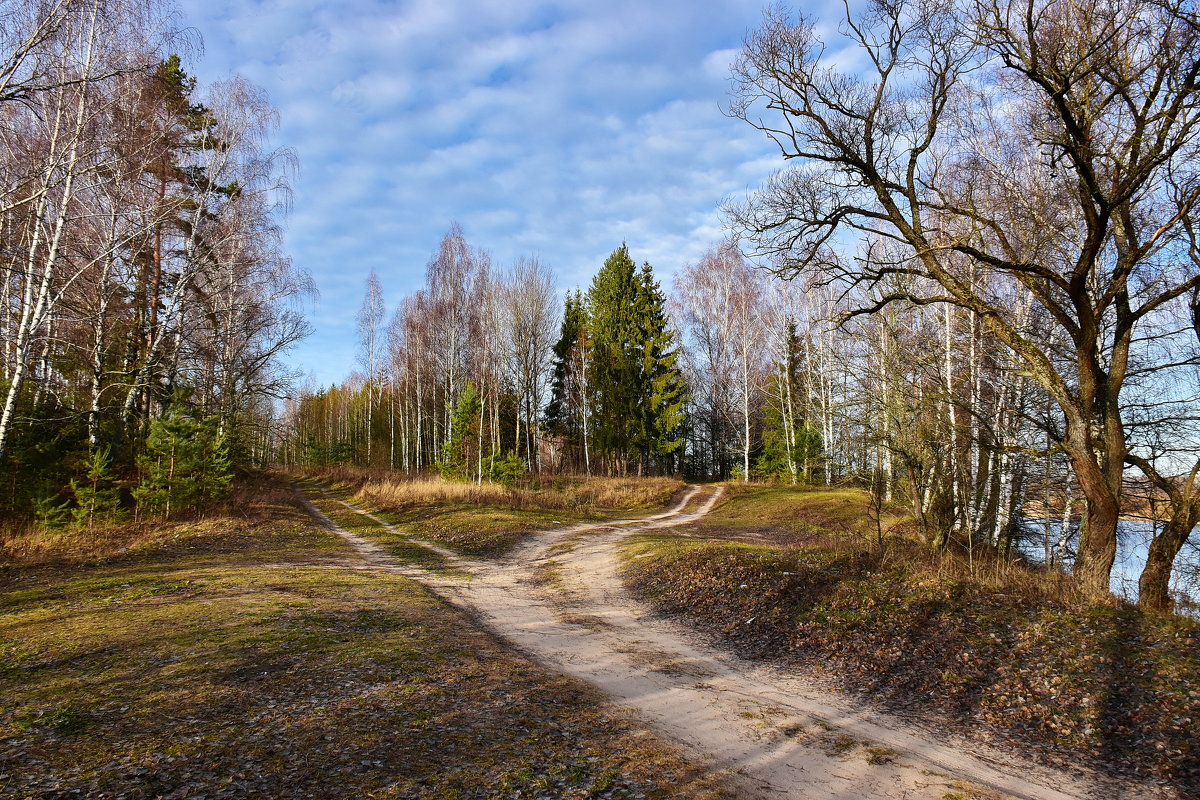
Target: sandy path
<point>559,598</point>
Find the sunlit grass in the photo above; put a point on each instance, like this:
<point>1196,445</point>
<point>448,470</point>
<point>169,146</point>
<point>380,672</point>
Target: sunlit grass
<point>549,495</point>
<point>252,655</point>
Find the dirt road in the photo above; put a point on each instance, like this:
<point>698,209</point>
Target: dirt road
<point>559,598</point>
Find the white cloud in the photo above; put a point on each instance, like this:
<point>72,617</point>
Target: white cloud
<point>718,63</point>
<point>556,128</point>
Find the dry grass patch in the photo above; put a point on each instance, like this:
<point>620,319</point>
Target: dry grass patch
<point>625,493</point>
<point>565,494</point>
<point>427,491</point>
<point>230,531</point>
<point>29,543</point>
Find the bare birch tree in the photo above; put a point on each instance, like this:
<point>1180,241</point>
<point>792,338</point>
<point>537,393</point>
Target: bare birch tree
<point>82,45</point>
<point>369,322</point>
<point>530,320</point>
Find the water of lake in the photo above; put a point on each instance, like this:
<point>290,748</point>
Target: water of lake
<point>1133,543</point>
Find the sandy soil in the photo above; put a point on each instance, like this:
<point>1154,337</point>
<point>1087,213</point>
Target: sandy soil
<point>559,598</point>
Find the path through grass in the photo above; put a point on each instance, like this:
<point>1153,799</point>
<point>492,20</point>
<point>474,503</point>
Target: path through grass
<point>278,668</point>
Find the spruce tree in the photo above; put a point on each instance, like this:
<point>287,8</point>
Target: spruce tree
<point>569,411</point>
<point>662,390</point>
<point>639,387</point>
<point>559,414</point>
<point>613,314</point>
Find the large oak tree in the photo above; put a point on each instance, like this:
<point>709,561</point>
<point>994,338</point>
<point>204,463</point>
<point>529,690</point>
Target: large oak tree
<point>1017,151</point>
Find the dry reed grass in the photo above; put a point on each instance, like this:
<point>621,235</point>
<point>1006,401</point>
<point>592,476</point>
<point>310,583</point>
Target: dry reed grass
<point>28,543</point>
<point>984,569</point>
<point>562,494</point>
<point>627,492</point>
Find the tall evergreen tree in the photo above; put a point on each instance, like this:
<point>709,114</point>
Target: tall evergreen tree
<point>639,387</point>
<point>558,412</point>
<point>661,385</point>
<point>612,309</point>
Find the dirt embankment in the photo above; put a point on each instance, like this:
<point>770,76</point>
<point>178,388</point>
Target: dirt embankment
<point>990,649</point>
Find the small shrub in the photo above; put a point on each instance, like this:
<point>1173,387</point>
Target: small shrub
<point>506,470</point>
<point>462,450</point>
<point>97,500</point>
<point>186,463</point>
<point>50,512</point>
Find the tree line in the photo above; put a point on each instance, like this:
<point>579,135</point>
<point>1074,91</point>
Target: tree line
<point>980,298</point>
<point>146,295</point>
<point>595,388</point>
<point>733,373</point>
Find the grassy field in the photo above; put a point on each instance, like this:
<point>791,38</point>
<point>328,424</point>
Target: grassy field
<point>400,544</point>
<point>988,646</point>
<point>242,657</point>
<point>835,516</point>
<point>488,520</point>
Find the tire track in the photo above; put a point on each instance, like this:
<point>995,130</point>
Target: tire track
<point>559,597</point>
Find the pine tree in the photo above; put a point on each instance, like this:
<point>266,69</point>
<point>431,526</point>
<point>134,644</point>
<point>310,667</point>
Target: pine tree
<point>462,450</point>
<point>506,470</point>
<point>569,411</point>
<point>186,463</point>
<point>97,499</point>
<point>559,414</point>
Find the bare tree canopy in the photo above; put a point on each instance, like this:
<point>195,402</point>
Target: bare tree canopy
<point>1013,153</point>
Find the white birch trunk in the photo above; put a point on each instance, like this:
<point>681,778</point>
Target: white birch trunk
<point>38,304</point>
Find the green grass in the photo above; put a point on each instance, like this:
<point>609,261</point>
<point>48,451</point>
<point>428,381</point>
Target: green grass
<point>798,510</point>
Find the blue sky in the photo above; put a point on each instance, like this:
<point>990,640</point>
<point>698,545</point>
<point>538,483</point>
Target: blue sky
<point>556,129</point>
